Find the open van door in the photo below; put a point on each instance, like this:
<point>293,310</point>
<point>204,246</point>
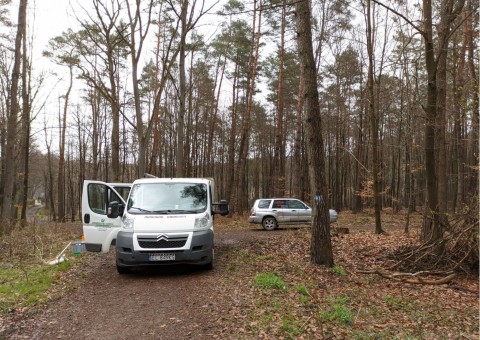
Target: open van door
<point>99,230</point>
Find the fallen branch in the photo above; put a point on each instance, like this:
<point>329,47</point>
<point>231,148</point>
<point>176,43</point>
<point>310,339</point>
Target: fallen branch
<point>406,277</point>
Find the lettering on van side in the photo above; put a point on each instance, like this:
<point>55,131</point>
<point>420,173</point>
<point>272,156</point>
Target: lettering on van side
<point>102,224</point>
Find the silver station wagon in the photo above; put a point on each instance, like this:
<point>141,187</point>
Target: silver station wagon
<point>270,212</point>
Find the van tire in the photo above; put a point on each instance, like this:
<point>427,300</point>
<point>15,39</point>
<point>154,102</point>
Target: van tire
<point>209,266</point>
<point>122,270</point>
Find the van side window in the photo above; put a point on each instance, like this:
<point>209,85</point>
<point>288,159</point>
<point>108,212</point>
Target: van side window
<point>123,191</point>
<point>99,196</point>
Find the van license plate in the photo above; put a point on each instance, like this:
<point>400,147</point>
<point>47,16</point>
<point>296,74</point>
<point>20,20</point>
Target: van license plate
<point>162,257</point>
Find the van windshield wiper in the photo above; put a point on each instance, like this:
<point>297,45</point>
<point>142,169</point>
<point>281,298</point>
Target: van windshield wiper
<point>140,209</point>
<point>166,211</point>
<point>175,211</point>
<point>161,212</point>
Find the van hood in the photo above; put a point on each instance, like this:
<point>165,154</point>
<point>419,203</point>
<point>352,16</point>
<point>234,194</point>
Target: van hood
<point>164,223</point>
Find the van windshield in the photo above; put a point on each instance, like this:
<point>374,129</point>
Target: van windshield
<point>167,198</point>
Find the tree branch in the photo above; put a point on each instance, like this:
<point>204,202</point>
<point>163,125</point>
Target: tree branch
<point>401,16</point>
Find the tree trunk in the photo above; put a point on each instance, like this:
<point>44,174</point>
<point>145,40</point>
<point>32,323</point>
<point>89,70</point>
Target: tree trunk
<point>242,191</point>
<point>435,218</point>
<point>473,67</point>
<point>61,157</point>
<point>25,126</point>
<point>297,154</point>
<point>279,155</point>
<point>230,189</point>
<point>10,153</point>
<point>180,166</point>
<point>431,230</point>
<point>374,125</point>
<point>137,28</point>
<point>321,246</point>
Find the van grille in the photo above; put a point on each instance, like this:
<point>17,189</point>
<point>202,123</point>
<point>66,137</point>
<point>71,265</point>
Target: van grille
<point>162,241</point>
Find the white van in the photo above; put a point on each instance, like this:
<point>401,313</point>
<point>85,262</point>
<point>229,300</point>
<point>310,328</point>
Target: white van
<point>163,221</point>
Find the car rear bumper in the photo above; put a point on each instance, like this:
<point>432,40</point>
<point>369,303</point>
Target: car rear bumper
<point>254,219</point>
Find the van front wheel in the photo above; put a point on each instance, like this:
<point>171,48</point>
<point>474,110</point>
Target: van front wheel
<point>209,266</point>
<point>122,270</point>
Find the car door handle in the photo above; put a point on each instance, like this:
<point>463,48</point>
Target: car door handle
<point>86,218</point>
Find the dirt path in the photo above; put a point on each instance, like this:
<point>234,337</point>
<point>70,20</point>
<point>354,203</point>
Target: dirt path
<point>165,303</point>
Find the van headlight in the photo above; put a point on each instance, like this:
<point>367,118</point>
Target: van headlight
<point>202,222</point>
<point>127,223</point>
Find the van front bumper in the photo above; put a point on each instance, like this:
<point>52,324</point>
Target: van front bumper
<point>200,251</point>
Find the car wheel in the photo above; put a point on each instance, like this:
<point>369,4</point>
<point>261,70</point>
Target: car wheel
<point>269,223</point>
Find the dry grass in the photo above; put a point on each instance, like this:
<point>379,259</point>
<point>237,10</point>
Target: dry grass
<point>36,243</point>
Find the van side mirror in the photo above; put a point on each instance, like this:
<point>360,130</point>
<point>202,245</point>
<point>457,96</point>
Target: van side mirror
<point>113,210</point>
<point>220,208</point>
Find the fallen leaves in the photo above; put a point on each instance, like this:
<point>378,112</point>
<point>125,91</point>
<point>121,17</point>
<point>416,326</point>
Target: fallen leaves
<point>342,303</point>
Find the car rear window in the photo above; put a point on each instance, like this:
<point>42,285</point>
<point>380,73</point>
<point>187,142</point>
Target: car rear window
<point>264,204</point>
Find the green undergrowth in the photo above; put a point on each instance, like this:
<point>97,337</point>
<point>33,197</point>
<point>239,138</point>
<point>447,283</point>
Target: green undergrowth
<point>26,278</point>
<point>27,286</point>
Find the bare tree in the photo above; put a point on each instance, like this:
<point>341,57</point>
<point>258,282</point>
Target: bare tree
<point>137,26</point>
<point>279,156</point>
<point>63,54</point>
<point>374,122</point>
<point>101,45</point>
<point>26,125</point>
<point>435,54</point>
<point>9,179</point>
<point>321,245</point>
<point>188,21</point>
<point>242,192</point>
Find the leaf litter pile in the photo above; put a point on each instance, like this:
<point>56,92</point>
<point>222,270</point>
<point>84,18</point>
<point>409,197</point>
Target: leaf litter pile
<point>273,291</point>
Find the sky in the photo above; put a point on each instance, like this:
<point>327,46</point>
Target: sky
<point>48,19</point>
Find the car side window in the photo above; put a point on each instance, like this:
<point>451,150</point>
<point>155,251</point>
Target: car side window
<point>279,204</point>
<point>264,204</point>
<point>296,205</point>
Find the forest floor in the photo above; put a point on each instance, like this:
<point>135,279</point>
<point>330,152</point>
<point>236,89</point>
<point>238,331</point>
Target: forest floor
<point>263,286</point>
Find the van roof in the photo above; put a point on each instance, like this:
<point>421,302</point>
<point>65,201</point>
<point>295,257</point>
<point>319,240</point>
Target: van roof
<point>173,180</point>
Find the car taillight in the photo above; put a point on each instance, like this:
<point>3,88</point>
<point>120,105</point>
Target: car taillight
<point>253,213</point>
